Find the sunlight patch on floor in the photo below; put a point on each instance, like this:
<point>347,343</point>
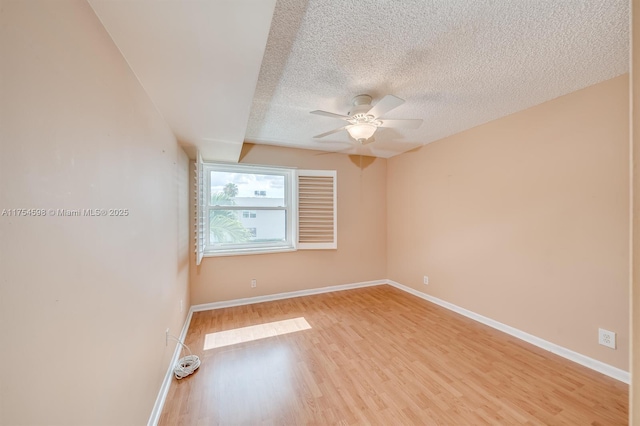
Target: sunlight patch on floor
<point>254,332</point>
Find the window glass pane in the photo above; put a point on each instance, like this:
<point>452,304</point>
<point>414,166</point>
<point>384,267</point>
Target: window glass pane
<point>262,226</point>
<point>225,226</point>
<point>247,189</point>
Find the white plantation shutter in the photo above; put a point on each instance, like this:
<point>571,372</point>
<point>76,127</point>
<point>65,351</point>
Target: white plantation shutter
<point>199,210</point>
<point>317,209</point>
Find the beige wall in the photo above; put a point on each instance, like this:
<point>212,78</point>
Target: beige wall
<point>361,253</point>
<point>635,181</point>
<point>84,301</point>
<point>525,220</point>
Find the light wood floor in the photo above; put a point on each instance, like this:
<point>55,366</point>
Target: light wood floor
<point>377,355</point>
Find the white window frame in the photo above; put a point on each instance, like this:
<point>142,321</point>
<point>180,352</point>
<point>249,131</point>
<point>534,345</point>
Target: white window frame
<point>250,247</point>
<point>203,196</point>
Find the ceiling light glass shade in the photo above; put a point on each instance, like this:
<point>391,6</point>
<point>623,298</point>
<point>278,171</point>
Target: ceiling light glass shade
<point>361,132</point>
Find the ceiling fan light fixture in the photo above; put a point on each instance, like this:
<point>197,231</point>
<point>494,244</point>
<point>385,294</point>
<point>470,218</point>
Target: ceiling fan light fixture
<point>361,132</point>
<point>364,118</point>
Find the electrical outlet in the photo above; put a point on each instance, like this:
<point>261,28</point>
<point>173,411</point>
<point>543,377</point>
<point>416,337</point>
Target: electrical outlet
<point>254,283</point>
<point>607,338</point>
<point>426,280</point>
<point>166,337</point>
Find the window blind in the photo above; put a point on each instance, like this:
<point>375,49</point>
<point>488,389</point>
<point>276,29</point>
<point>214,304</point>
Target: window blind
<point>199,210</point>
<point>317,209</point>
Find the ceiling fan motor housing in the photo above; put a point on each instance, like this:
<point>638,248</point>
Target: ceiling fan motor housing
<point>358,114</point>
<point>361,104</point>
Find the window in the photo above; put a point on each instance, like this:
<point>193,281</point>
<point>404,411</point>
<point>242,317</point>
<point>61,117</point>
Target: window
<point>248,209</point>
<point>244,209</point>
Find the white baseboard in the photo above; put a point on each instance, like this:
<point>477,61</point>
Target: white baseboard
<point>591,363</point>
<point>280,296</point>
<point>164,388</point>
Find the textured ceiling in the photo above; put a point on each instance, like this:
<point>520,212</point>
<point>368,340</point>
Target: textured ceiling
<point>457,63</point>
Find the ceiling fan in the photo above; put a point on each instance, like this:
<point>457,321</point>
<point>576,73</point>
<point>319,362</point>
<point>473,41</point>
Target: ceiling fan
<point>364,119</point>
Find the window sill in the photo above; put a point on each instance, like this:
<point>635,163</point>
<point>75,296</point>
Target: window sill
<point>248,251</point>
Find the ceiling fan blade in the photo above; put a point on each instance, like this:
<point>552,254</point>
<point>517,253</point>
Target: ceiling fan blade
<point>406,123</point>
<point>322,135</point>
<point>385,104</point>
<point>368,141</point>
<point>330,114</point>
